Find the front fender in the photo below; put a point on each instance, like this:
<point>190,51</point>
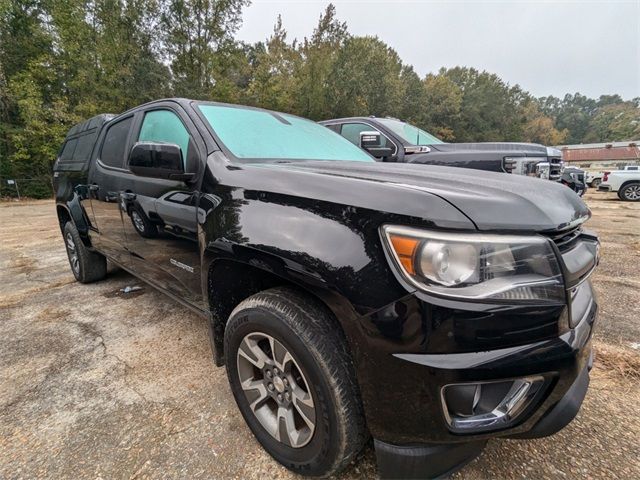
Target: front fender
<point>318,245</point>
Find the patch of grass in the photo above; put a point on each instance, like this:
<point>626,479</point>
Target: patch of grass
<point>618,360</point>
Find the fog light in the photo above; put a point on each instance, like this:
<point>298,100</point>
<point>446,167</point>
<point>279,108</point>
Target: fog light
<point>482,406</point>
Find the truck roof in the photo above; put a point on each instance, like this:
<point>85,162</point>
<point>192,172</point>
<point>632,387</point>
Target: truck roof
<point>93,122</point>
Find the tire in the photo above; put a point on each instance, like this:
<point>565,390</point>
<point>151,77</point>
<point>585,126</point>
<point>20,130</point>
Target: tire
<point>596,182</point>
<point>318,376</point>
<point>87,266</point>
<point>630,192</point>
<point>141,223</point>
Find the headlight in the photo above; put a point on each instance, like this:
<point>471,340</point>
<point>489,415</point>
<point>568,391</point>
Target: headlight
<point>478,266</point>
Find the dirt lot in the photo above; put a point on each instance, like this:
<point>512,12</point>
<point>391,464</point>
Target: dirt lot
<point>95,384</point>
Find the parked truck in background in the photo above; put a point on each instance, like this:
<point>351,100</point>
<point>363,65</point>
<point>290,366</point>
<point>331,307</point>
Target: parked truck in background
<point>391,140</point>
<point>626,183</point>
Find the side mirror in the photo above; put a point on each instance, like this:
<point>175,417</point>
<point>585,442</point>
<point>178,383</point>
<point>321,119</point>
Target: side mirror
<point>158,160</point>
<point>371,141</point>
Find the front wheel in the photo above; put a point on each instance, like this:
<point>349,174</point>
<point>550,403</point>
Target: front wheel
<point>596,182</point>
<point>630,192</point>
<point>294,382</point>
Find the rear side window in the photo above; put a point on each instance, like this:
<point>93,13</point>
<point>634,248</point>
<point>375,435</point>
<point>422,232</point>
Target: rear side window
<point>166,127</point>
<point>84,147</point>
<point>115,143</point>
<point>66,155</point>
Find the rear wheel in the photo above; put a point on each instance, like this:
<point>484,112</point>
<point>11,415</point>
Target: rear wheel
<point>596,182</point>
<point>293,380</point>
<point>87,266</point>
<point>630,192</point>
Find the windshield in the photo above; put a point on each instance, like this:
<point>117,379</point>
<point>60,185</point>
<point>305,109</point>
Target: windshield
<point>262,135</point>
<point>409,133</point>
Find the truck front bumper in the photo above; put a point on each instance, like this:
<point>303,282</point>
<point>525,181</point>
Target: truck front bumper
<point>440,460</point>
<point>408,415</point>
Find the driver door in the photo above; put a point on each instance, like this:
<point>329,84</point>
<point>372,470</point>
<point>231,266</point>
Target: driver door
<point>160,218</point>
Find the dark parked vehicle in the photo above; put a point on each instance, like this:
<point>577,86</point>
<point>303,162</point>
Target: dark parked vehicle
<point>391,140</point>
<point>575,179</point>
<point>429,307</point>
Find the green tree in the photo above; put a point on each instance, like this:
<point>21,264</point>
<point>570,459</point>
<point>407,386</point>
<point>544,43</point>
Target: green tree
<point>442,106</point>
<point>365,79</point>
<point>615,121</point>
<point>318,56</point>
<point>539,128</point>
<point>274,80</point>
<point>412,96</point>
<point>199,34</point>
<point>490,109</point>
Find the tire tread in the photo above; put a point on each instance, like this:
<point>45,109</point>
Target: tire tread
<point>322,334</point>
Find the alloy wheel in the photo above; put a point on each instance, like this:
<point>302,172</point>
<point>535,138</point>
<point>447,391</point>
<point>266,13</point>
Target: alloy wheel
<point>632,192</point>
<point>276,389</point>
<point>137,221</point>
<point>72,252</point>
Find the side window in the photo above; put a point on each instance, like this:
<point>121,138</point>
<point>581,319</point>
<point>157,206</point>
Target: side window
<point>67,151</point>
<point>115,143</point>
<point>84,147</point>
<point>164,126</point>
<point>351,131</point>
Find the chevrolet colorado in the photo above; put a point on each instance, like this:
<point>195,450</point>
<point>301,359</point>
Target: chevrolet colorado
<point>392,140</point>
<point>428,307</point>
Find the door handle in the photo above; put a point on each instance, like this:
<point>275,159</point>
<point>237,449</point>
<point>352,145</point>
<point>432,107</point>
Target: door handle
<point>128,195</point>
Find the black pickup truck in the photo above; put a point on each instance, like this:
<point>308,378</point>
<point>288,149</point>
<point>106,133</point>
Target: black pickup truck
<point>392,140</point>
<point>428,307</point>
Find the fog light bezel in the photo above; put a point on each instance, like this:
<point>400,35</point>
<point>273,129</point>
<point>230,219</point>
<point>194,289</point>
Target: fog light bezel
<point>506,414</point>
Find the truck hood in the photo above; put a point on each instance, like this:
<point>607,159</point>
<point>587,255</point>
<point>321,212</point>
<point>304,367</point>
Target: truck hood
<point>517,149</point>
<point>492,201</point>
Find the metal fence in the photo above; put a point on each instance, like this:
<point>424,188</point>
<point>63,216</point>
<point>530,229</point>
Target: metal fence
<point>34,187</point>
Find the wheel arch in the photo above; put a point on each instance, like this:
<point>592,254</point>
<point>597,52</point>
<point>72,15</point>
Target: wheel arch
<point>229,282</point>
<point>72,212</point>
<point>629,182</point>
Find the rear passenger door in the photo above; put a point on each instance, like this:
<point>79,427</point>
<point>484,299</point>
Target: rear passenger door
<point>108,179</point>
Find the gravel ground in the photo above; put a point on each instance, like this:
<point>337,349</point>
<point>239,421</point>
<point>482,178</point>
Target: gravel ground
<point>96,384</point>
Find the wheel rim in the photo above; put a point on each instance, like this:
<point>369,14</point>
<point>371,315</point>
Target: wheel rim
<point>632,192</point>
<point>276,389</point>
<point>72,252</point>
<point>137,221</point>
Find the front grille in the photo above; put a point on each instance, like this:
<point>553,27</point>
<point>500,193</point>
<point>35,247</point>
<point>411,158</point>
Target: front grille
<point>566,238</point>
<point>555,168</point>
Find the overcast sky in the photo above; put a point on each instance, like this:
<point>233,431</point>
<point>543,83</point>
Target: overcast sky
<point>548,47</point>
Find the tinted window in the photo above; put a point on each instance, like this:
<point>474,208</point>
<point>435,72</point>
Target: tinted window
<point>115,143</point>
<point>260,134</point>
<point>409,133</point>
<point>164,126</point>
<point>84,147</point>
<point>351,131</point>
<point>67,151</point>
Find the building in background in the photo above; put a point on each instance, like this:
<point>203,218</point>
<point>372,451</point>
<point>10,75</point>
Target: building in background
<point>601,156</point>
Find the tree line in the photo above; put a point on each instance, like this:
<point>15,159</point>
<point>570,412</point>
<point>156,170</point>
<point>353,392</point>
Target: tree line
<point>62,61</point>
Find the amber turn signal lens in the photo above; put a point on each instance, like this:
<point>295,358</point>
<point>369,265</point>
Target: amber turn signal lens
<point>405,248</point>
